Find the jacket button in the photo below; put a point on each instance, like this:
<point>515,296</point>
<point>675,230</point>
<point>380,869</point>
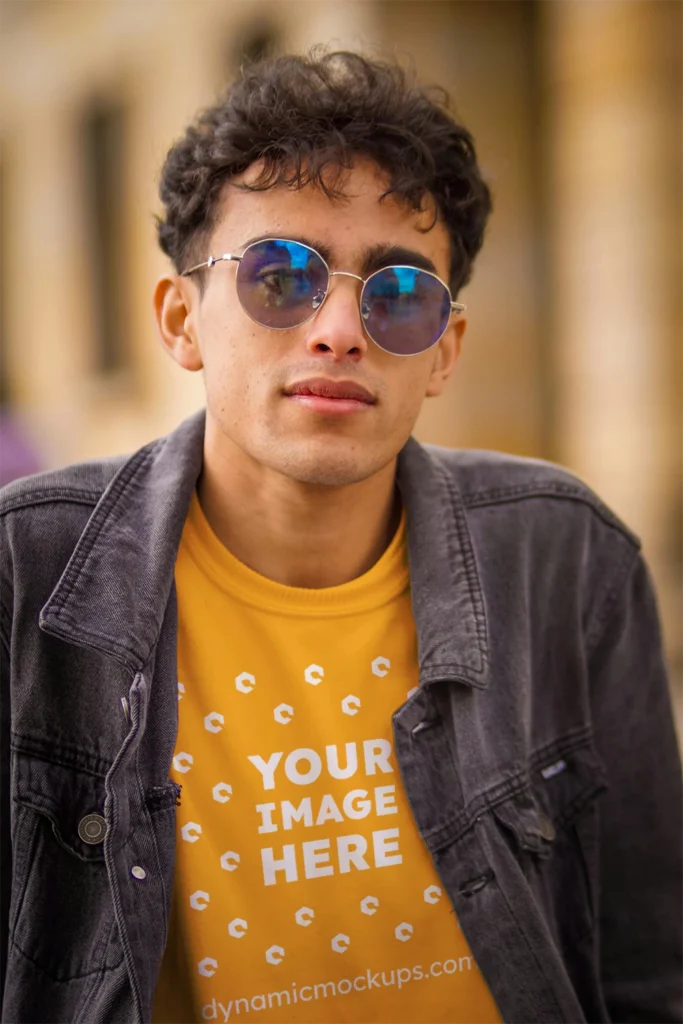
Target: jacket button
<point>92,829</point>
<point>546,827</point>
<point>426,723</point>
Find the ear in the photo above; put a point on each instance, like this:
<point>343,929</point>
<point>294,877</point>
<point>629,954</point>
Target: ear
<point>446,356</point>
<point>176,302</point>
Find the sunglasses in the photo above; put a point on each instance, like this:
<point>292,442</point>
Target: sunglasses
<point>282,284</point>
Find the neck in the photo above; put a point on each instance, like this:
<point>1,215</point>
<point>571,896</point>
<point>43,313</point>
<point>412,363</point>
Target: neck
<point>300,535</point>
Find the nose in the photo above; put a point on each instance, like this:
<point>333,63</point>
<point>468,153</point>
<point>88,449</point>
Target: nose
<point>337,326</point>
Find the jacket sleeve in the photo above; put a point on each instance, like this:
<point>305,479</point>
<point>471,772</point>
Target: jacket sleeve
<point>641,897</point>
<point>5,837</point>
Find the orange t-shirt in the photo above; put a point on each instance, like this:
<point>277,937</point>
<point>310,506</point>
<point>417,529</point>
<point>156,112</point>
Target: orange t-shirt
<point>303,891</point>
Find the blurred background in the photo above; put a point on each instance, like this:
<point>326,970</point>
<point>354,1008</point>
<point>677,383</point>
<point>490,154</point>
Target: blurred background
<point>574,347</point>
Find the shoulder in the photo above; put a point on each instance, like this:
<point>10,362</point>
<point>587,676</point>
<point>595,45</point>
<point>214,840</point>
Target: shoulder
<point>41,519</point>
<point>79,484</point>
<point>487,479</point>
<point>538,530</point>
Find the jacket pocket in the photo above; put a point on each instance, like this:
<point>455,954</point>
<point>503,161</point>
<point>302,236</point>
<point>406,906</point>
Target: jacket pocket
<point>62,915</point>
<point>552,826</point>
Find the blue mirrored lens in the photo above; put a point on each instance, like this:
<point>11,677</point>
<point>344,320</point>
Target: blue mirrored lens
<point>405,311</point>
<point>281,284</point>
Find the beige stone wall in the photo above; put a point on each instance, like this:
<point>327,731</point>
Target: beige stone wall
<point>613,74</point>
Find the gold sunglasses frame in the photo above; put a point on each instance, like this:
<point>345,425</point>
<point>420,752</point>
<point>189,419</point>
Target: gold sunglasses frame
<point>456,307</point>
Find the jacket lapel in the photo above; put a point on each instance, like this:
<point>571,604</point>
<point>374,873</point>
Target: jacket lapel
<point>113,594</point>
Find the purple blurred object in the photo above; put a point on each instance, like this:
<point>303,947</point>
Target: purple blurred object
<point>18,456</point>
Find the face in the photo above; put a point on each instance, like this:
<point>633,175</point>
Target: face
<point>248,369</point>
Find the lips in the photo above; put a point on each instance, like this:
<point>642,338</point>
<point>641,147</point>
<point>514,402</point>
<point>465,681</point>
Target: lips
<point>322,387</point>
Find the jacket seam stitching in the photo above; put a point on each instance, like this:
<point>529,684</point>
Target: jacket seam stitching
<point>49,974</point>
<point>575,739</point>
<point>530,948</point>
<point>610,605</point>
<point>22,746</point>
<point>145,811</point>
<point>538,488</point>
<point>112,804</point>
<point>500,496</point>
<point>111,644</point>
<point>98,977</point>
<point>454,829</point>
<point>5,628</point>
<point>32,825</point>
<point>46,497</point>
<point>469,565</point>
<point>467,672</point>
<point>497,794</point>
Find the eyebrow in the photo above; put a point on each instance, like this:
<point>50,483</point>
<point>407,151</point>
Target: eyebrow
<point>384,255</point>
<point>374,258</point>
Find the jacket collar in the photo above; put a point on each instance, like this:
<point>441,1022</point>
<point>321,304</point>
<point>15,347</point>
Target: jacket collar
<point>114,592</point>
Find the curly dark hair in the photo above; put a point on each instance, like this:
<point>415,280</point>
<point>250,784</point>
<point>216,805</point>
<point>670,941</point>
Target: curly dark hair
<point>307,116</point>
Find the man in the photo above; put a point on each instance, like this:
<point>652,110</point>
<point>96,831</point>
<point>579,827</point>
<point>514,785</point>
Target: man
<point>298,714</point>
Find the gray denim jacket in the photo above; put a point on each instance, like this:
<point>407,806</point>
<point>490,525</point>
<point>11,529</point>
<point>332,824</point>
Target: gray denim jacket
<point>538,753</point>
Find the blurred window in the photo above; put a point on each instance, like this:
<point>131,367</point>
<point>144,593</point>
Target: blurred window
<point>104,148</point>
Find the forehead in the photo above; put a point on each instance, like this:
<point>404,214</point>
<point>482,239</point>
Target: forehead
<point>348,227</point>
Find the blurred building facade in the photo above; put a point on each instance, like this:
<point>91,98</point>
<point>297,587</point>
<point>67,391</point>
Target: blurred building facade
<point>573,350</point>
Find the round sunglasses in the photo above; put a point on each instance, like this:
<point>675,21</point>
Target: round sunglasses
<point>282,284</point>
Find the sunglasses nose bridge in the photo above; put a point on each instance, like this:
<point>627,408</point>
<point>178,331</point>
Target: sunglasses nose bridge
<point>346,273</point>
<point>325,296</point>
<point>342,273</point>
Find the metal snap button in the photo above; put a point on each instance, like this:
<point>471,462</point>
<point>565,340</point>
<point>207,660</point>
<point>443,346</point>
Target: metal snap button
<point>426,723</point>
<point>546,827</point>
<point>92,829</point>
<point>138,872</point>
<point>475,885</point>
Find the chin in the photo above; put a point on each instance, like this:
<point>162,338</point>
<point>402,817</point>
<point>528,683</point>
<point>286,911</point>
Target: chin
<point>327,475</point>
<point>328,468</point>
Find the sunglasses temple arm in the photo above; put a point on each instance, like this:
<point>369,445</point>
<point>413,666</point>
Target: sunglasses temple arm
<point>212,260</point>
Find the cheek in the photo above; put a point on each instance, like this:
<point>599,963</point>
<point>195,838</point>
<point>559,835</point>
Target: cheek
<point>237,368</point>
<point>410,391</point>
<point>226,380</point>
<point>221,366</point>
<point>222,343</point>
<point>225,329</point>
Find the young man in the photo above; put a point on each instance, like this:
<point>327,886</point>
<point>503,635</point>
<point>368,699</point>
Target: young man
<point>303,720</point>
